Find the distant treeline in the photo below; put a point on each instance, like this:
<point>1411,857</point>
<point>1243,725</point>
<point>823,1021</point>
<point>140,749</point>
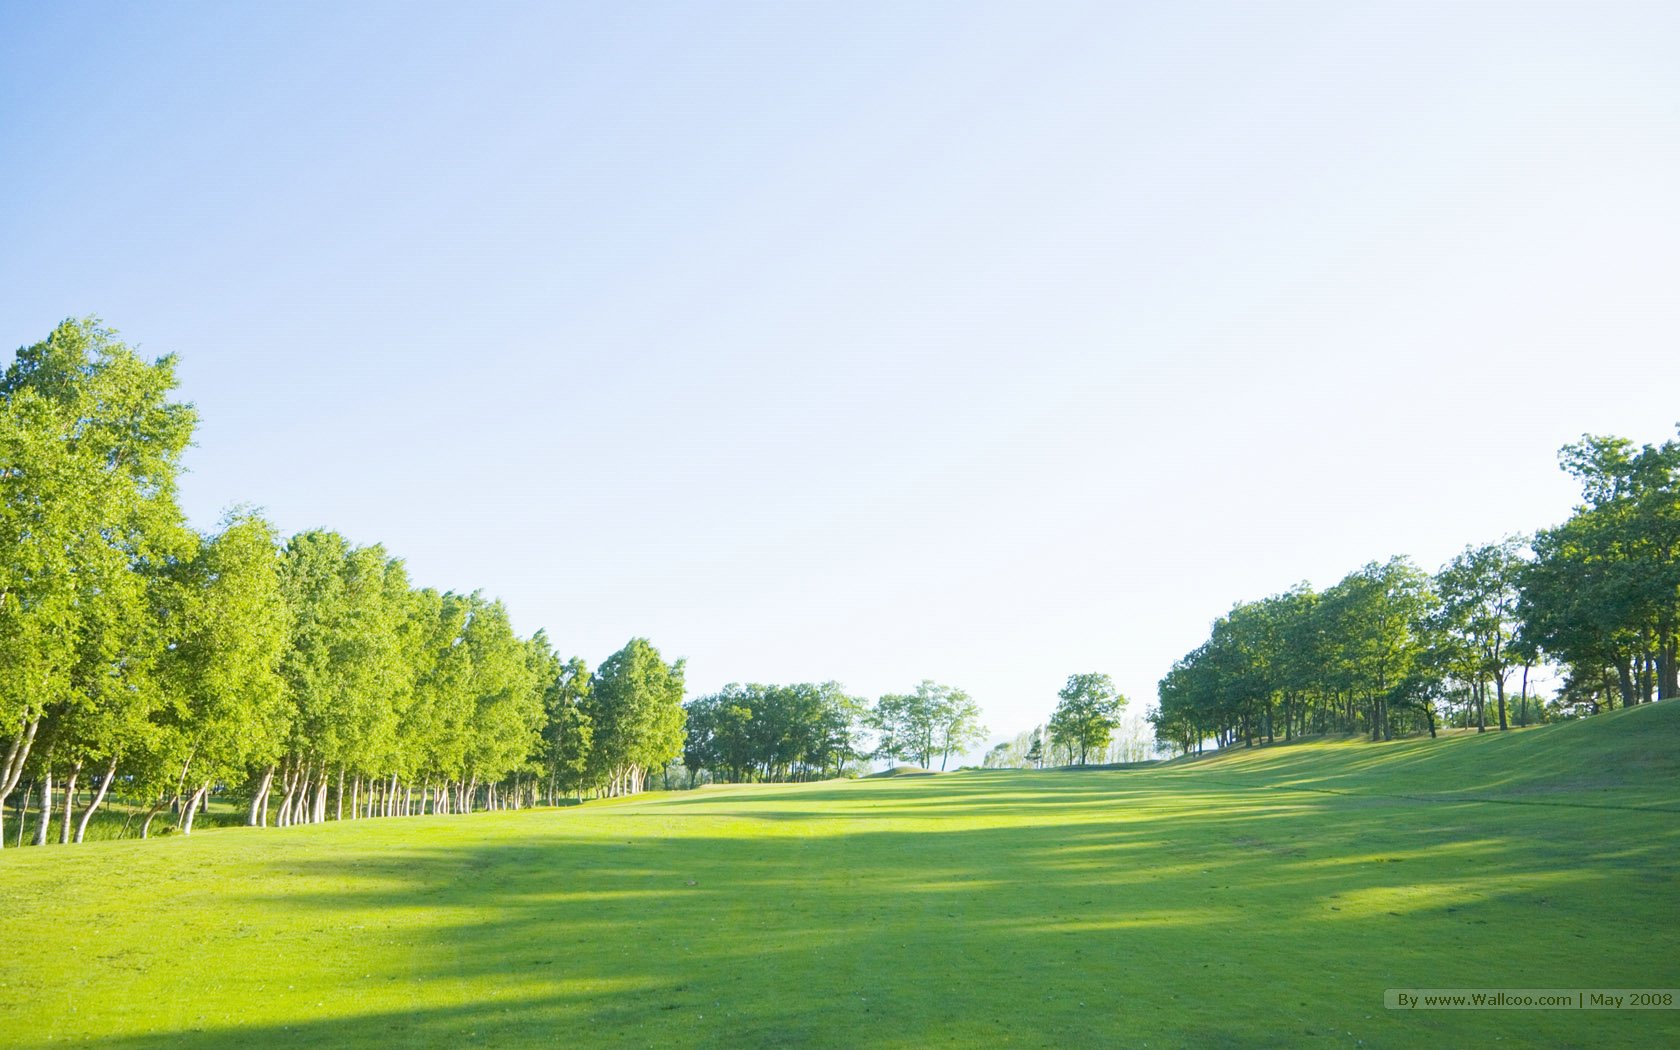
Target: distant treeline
<point>307,677</point>
<point>1391,649</point>
<point>808,731</point>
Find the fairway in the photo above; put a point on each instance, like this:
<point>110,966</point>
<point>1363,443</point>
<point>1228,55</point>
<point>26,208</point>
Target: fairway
<point>1260,899</point>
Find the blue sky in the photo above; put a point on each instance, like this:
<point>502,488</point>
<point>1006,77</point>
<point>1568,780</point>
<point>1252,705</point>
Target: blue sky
<point>986,343</point>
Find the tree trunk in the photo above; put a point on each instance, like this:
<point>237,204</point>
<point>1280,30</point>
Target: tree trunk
<point>1523,716</point>
<point>1668,684</point>
<point>300,798</point>
<point>45,825</point>
<point>11,771</point>
<point>146,825</point>
<point>23,810</point>
<point>193,804</point>
<point>104,786</point>
<point>69,804</point>
<point>1499,688</point>
<point>259,800</point>
<point>288,786</point>
<point>1624,683</point>
<point>339,813</point>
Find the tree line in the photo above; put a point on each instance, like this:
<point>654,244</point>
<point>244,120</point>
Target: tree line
<point>306,676</point>
<point>1391,649</point>
<point>809,731</point>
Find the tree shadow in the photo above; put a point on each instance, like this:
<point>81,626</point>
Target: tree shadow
<point>902,916</point>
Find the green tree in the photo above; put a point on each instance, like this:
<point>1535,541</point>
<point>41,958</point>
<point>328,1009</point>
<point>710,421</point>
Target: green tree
<point>635,711</point>
<point>958,726</point>
<point>228,709</point>
<point>1089,710</point>
<point>1603,592</point>
<point>507,695</point>
<point>1479,593</point>
<point>567,734</point>
<point>91,443</point>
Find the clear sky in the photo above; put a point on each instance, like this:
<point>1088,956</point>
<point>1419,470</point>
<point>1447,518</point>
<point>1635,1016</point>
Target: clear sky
<point>985,343</point>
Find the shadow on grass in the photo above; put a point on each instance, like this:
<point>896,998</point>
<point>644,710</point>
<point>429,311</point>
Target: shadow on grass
<point>909,914</point>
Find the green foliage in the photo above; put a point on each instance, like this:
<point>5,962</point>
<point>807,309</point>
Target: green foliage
<point>935,719</point>
<point>1603,593</point>
<point>230,638</point>
<point>1087,715</point>
<point>310,677</point>
<point>569,736</point>
<point>1354,658</point>
<point>772,732</point>
<point>635,713</point>
<point>90,444</point>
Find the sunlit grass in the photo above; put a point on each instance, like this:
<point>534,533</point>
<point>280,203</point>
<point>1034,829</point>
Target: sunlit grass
<point>1257,899</point>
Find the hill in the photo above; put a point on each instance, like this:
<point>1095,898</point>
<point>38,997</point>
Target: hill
<point>1258,898</point>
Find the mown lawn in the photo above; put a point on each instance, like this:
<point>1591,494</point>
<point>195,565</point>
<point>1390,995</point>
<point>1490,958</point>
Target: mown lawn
<point>1261,899</point>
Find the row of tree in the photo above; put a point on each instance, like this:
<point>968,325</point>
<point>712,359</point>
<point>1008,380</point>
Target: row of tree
<point>1391,649</point>
<point>307,676</point>
<point>809,731</point>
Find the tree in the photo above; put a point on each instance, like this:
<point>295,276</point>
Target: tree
<point>1603,592</point>
<point>508,712</point>
<point>635,710</point>
<point>1088,712</point>
<point>230,639</point>
<point>771,732</point>
<point>1383,611</point>
<point>91,447</point>
<point>1479,592</point>
<point>568,734</point>
<point>958,724</point>
<point>933,718</point>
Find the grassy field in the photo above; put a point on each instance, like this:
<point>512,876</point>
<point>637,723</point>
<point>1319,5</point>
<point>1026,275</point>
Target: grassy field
<point>1258,899</point>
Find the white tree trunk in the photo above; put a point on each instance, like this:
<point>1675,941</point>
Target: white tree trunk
<point>104,786</point>
<point>298,795</point>
<point>193,804</point>
<point>288,786</point>
<point>69,804</point>
<point>45,825</point>
<point>146,825</point>
<point>259,801</point>
<point>11,770</point>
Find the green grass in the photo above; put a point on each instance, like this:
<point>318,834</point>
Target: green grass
<point>1258,899</point>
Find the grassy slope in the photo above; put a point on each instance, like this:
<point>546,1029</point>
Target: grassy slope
<point>1257,899</point>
